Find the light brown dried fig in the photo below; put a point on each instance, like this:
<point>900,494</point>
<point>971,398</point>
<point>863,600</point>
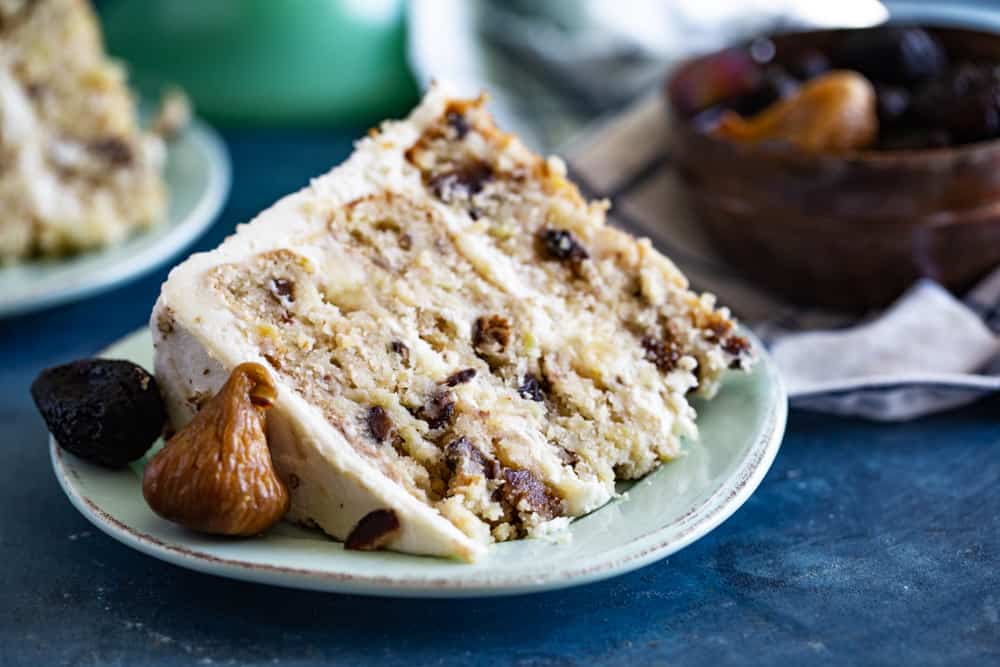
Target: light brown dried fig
<point>215,475</point>
<point>833,112</point>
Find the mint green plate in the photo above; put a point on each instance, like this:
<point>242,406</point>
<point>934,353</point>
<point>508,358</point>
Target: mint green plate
<point>741,431</point>
<point>197,178</point>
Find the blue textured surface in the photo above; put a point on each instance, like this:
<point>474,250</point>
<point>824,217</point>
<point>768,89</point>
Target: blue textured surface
<point>865,544</point>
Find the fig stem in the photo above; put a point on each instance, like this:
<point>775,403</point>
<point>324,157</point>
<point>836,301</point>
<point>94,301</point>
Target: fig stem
<point>262,393</point>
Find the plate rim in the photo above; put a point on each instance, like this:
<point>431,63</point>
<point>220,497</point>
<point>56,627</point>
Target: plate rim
<point>182,234</point>
<point>643,550</point>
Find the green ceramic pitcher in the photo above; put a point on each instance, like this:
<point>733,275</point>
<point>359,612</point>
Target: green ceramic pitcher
<point>255,62</point>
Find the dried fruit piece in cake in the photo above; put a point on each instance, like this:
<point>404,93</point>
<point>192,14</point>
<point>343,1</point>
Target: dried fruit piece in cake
<point>455,335</point>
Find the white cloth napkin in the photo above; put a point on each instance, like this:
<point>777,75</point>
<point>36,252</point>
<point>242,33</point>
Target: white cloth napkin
<point>928,352</point>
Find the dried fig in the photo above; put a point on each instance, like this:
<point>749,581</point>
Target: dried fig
<point>215,475</point>
<point>836,111</point>
<point>107,411</point>
<point>892,54</point>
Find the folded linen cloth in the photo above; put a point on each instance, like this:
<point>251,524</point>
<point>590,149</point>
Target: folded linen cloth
<point>927,352</point>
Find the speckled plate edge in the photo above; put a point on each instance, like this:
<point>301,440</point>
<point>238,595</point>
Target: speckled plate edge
<point>177,235</point>
<point>643,550</point>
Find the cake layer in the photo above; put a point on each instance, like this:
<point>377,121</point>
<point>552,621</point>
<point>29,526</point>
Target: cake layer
<point>455,333</point>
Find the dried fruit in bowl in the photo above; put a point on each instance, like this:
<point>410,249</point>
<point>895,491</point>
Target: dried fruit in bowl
<point>730,74</point>
<point>892,54</point>
<point>834,112</point>
<point>964,101</point>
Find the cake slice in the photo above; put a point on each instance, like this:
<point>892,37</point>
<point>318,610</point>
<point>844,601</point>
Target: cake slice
<point>455,334</point>
<point>75,170</point>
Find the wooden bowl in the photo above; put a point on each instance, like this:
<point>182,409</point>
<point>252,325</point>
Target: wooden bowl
<point>852,230</point>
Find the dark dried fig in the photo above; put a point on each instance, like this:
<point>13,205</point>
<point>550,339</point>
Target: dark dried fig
<point>892,54</point>
<point>893,104</point>
<point>106,411</point>
<point>808,64</point>
<point>965,102</point>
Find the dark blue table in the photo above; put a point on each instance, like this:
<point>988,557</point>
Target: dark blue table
<point>865,544</point>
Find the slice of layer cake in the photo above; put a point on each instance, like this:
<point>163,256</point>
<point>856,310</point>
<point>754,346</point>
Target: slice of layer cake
<point>455,334</point>
<point>75,170</point>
